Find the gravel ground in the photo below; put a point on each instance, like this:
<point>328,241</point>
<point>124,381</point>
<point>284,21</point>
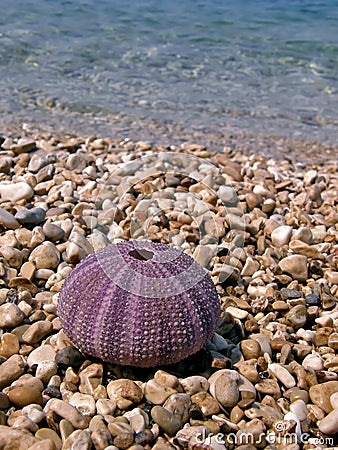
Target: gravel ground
<point>266,231</point>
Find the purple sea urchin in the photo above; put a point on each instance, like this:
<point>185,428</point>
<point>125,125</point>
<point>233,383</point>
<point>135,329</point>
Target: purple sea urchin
<point>139,303</point>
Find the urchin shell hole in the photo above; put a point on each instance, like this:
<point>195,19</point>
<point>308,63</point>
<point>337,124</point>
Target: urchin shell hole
<point>141,254</point>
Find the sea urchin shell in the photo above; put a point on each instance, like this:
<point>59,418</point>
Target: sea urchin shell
<point>139,303</point>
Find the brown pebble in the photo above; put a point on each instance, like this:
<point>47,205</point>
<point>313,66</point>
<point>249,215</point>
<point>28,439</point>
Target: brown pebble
<point>37,331</point>
<point>25,392</point>
<point>11,369</point>
<point>251,349</point>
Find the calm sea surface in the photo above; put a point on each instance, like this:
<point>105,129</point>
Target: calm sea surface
<point>140,66</point>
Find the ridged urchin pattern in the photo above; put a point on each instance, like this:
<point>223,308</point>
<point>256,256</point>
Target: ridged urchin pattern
<point>107,309</point>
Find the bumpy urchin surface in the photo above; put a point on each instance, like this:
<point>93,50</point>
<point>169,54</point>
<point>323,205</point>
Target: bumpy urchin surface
<point>139,303</point>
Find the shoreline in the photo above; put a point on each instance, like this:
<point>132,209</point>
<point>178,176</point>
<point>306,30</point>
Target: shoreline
<point>276,147</point>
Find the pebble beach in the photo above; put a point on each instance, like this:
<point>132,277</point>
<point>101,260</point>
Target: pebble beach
<point>266,231</point>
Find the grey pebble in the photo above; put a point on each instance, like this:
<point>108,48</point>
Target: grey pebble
<point>32,216</point>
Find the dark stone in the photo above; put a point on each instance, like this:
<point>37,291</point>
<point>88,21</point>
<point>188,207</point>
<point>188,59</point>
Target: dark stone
<point>312,299</point>
<point>69,356</point>
<point>32,216</point>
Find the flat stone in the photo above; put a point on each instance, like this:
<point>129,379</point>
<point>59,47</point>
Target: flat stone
<point>7,220</point>
<point>33,216</point>
<point>90,378</point>
<point>16,191</point>
<point>100,434</point>
<point>84,403</point>
<point>228,195</point>
<point>207,404</point>
<point>23,145</point>
<point>296,266</point>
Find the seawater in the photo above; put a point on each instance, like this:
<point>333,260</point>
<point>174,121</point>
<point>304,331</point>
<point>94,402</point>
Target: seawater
<point>108,66</point>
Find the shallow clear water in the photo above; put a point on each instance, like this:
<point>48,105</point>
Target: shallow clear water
<point>268,67</point>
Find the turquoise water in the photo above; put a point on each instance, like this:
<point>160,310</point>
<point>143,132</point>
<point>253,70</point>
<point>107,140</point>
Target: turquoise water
<point>268,67</point>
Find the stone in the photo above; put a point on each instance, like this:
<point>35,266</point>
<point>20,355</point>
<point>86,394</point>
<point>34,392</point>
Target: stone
<point>281,235</point>
<point>166,420</point>
<point>228,195</point>
<point>194,384</point>
<point>45,256</point>
<point>329,425</point>
<point>25,392</point>
<point>69,356</point>
<point>16,191</point>
<point>53,232</point>
<point>313,361</point>
<point>179,405</point>
<point>167,379</point>
<point>251,349</point>
<point>269,387</point>
<point>9,345</point>
<point>11,255</point>
<point>7,220</point>
<point>33,216</point>
<point>224,387</point>
<point>333,340</point>
<point>43,353</point>
<point>78,440</point>
<point>299,408</point>
<point>5,165</point>
<point>10,315</point>
<point>49,434</point>
<point>90,378</point>
<point>207,404</point>
<point>27,270</point>
<point>24,145</point>
<point>100,434</point>
<point>282,375</point>
<point>250,267</point>
<point>45,444</point>
<point>296,266</point>
<point>105,406</point>
<point>303,234</point>
<point>13,439</point>
<point>84,403</point>
<point>320,394</point>
<point>34,412</point>
<point>66,411</point>
<point>331,276</point>
<point>297,316</point>
<point>157,393</point>
<point>37,331</point>
<point>124,392</point>
<point>45,370</point>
